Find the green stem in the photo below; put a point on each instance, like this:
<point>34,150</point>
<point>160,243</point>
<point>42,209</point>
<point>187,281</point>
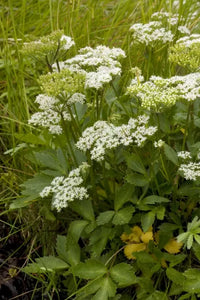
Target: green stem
<point>186,127</point>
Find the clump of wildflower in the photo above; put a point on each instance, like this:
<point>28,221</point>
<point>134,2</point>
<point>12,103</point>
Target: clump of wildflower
<point>186,52</point>
<point>184,154</point>
<point>103,136</point>
<point>67,189</point>
<point>159,93</point>
<point>54,111</point>
<point>64,83</point>
<point>190,171</point>
<point>99,65</point>
<point>48,45</point>
<point>160,30</point>
<point>151,33</point>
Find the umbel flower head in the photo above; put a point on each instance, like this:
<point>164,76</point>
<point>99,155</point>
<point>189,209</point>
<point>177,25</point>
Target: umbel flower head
<point>160,30</point>
<point>99,65</point>
<point>67,189</point>
<point>186,52</point>
<point>48,45</point>
<point>103,136</point>
<point>159,93</point>
<point>60,83</point>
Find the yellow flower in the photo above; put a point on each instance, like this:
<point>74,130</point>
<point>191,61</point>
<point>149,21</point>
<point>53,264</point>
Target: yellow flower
<point>173,246</point>
<point>137,241</point>
<point>130,248</point>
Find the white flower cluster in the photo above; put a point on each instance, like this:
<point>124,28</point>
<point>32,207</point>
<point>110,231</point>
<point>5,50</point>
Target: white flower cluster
<point>190,171</point>
<point>184,154</point>
<point>151,33</point>
<point>103,136</point>
<point>99,65</point>
<point>53,111</point>
<point>188,41</point>
<point>68,189</point>
<point>158,92</point>
<point>161,29</point>
<point>66,42</point>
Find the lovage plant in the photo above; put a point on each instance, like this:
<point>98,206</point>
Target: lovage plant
<point>119,167</point>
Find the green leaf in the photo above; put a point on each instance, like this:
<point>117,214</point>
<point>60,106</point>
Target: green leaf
<point>84,208</point>
<point>196,249</point>
<point>99,239</point>
<point>175,276</point>
<point>46,264</point>
<point>90,288</point>
<point>123,216</point>
<point>61,247</point>
<point>160,212</point>
<point>154,199</point>
<point>123,274</point>
<point>107,290</point>
<point>91,269</point>
<point>134,163</point>
<point>123,194</point>
<point>48,215</point>
<point>157,295</point>
<point>73,251</point>
<point>197,238</point>
<point>171,154</point>
<point>147,220</point>
<point>136,179</point>
<point>23,201</point>
<point>76,228</point>
<point>30,138</point>
<point>105,217</point>
<point>35,185</point>
<point>52,159</point>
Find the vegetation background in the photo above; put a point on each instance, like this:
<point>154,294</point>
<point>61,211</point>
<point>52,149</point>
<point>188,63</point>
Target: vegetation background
<point>89,23</point>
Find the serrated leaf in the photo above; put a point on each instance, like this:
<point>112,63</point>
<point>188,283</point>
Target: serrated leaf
<point>23,201</point>
<point>36,184</point>
<point>123,194</point>
<point>160,212</point>
<point>123,216</point>
<point>147,220</point>
<point>51,159</point>
<point>175,276</point>
<point>30,138</point>
<point>171,154</point>
<point>99,239</point>
<point>197,238</point>
<point>196,249</point>
<point>123,274</point>
<point>92,287</point>
<point>157,295</point>
<point>91,269</point>
<point>73,251</point>
<point>61,246</point>
<point>107,290</point>
<point>76,228</point>
<point>134,163</point>
<point>46,264</point>
<point>84,208</point>
<point>154,199</point>
<point>136,179</point>
<point>105,217</point>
